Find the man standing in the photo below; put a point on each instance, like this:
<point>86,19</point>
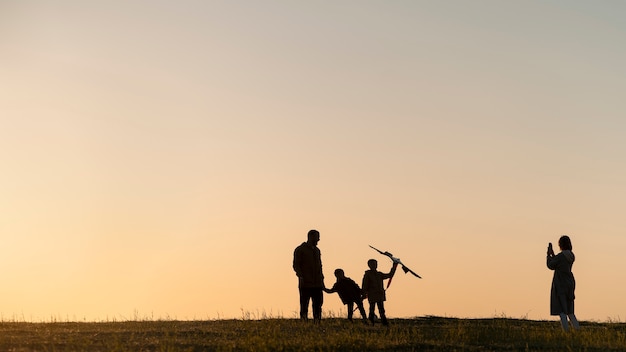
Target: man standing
<point>307,263</point>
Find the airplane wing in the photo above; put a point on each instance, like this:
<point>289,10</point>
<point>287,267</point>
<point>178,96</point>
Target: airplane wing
<point>396,260</point>
<point>407,270</point>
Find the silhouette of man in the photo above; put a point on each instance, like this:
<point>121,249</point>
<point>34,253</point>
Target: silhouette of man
<point>307,263</point>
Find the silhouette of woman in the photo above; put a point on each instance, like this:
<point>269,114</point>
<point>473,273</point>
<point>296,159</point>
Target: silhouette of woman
<point>563,283</point>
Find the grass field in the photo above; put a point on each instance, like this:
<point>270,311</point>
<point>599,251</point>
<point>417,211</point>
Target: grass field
<point>419,334</point>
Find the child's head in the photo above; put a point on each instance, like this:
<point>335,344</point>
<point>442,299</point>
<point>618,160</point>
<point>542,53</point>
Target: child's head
<point>372,263</point>
<point>339,274</point>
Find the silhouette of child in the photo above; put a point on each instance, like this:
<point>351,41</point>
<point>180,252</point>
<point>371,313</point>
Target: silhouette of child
<point>349,292</point>
<point>373,288</point>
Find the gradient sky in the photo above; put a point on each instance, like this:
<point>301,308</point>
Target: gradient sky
<point>163,159</point>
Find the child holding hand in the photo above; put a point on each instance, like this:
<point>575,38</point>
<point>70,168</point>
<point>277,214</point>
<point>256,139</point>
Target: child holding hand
<point>349,292</point>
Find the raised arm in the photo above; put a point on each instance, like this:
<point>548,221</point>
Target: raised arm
<point>392,272</point>
<point>551,259</point>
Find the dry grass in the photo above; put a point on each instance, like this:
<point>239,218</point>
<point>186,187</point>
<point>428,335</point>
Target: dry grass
<point>419,334</point>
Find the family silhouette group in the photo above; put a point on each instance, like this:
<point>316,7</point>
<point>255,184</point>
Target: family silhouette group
<point>307,264</point>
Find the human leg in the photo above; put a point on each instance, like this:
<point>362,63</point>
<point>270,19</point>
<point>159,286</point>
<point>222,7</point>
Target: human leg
<point>372,313</point>
<point>317,296</point>
<point>564,323</point>
<point>350,307</point>
<point>567,311</point>
<point>574,321</point>
<point>359,305</point>
<point>570,311</point>
<point>381,311</point>
<point>305,296</point>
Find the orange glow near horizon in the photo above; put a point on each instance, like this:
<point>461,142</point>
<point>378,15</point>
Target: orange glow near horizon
<point>168,166</point>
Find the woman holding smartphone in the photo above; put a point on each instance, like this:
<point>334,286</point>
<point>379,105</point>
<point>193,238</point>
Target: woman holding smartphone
<point>563,283</point>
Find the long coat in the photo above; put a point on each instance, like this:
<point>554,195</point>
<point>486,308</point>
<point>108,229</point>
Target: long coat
<point>563,283</point>
<point>307,263</point>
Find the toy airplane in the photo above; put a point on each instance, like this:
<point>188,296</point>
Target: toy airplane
<point>396,261</point>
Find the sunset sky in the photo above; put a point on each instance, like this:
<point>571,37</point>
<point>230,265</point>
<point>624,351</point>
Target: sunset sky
<point>162,159</point>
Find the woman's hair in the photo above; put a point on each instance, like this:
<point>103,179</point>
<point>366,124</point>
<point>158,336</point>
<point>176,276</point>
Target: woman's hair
<point>565,243</point>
